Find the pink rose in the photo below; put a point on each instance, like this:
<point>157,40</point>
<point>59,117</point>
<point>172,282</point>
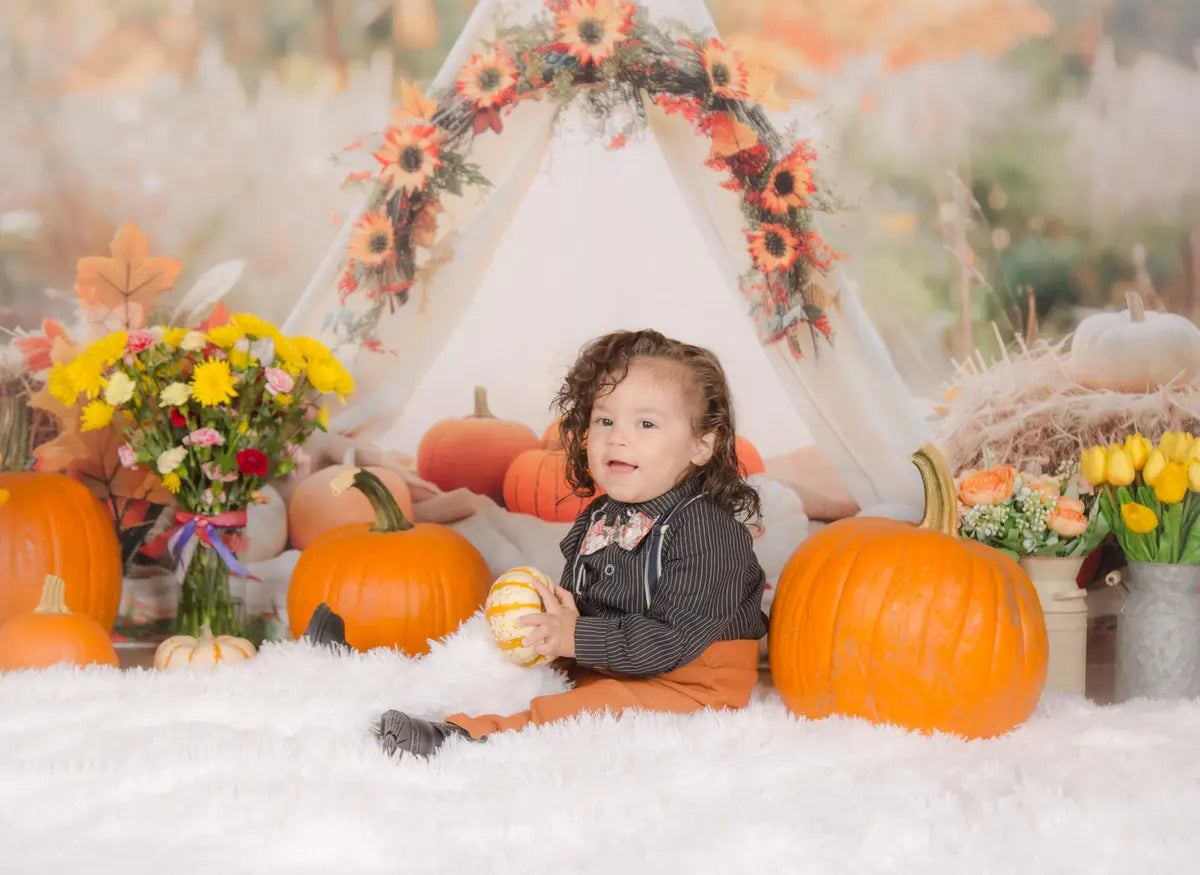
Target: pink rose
<point>204,437</point>
<point>278,380</point>
<point>139,340</point>
<point>1067,519</point>
<point>213,472</point>
<point>127,456</point>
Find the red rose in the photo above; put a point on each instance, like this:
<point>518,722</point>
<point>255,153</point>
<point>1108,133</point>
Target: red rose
<point>252,462</point>
<point>177,418</point>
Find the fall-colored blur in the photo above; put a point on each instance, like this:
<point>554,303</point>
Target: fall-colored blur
<point>1004,161</point>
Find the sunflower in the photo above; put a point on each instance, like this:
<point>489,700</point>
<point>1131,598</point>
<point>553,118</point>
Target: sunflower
<point>774,247</point>
<point>213,383</point>
<point>372,243</point>
<point>591,29</point>
<point>488,79</point>
<point>790,184</point>
<point>727,73</point>
<point>409,156</point>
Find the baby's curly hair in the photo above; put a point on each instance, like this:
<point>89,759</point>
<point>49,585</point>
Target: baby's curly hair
<point>605,362</point>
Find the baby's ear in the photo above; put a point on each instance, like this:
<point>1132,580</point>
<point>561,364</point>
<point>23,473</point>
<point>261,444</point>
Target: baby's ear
<point>704,449</point>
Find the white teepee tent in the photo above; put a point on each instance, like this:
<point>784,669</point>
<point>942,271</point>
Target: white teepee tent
<point>575,240</point>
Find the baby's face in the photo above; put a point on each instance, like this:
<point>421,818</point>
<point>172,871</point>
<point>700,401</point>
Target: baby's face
<point>640,441</point>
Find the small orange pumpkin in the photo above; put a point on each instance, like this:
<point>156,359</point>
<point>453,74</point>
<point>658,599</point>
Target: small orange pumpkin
<point>474,451</point>
<point>536,484</point>
<point>52,524</point>
<point>909,625</point>
<point>395,584</point>
<point>51,633</point>
<point>749,459</point>
<point>313,510</point>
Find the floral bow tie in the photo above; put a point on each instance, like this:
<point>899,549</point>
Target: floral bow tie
<point>627,534</point>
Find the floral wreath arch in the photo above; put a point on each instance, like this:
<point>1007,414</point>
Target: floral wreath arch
<point>613,53</point>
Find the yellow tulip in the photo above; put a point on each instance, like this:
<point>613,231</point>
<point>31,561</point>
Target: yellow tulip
<point>1172,485</point>
<point>1194,475</point>
<point>1139,518</point>
<point>1120,467</point>
<point>1156,462</point>
<point>1166,443</point>
<point>1182,447</point>
<point>1138,449</point>
<point>1194,453</point>
<point>1094,462</point>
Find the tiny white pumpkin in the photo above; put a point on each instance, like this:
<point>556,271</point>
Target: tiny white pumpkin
<point>511,597</point>
<point>1134,350</point>
<point>185,651</point>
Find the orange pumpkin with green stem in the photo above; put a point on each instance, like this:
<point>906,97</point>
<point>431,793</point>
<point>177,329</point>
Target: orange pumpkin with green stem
<point>909,624</point>
<point>395,583</point>
<point>51,634</point>
<point>52,524</point>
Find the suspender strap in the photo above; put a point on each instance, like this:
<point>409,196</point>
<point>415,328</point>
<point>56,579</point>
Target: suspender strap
<point>579,570</point>
<point>652,570</point>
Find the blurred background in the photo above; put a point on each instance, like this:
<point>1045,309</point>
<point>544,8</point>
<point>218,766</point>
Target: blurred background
<point>1001,161</point>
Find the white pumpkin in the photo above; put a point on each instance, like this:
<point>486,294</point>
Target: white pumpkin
<point>266,528</point>
<point>1134,350</point>
<point>511,597</point>
<point>205,652</point>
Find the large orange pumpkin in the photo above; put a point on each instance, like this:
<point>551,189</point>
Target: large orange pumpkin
<point>313,510</point>
<point>474,451</point>
<point>536,484</point>
<point>749,458</point>
<point>909,624</point>
<point>51,634</point>
<point>52,524</point>
<point>395,584</point>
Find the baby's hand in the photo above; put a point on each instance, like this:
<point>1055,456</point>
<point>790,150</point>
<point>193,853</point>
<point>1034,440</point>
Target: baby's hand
<point>552,633</point>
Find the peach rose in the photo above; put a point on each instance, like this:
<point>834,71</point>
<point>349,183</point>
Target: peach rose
<point>989,486</point>
<point>1067,519</point>
<point>1047,486</point>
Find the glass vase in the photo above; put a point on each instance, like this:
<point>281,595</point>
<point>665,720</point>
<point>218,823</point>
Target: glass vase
<point>206,595</point>
<point>1158,632</point>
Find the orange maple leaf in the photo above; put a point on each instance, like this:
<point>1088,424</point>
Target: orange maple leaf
<point>36,348</point>
<point>219,316</point>
<point>129,282</point>
<point>730,136</point>
<point>414,105</point>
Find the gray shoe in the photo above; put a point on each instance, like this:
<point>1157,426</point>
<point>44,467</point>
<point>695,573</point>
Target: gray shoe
<point>327,629</point>
<point>399,733</point>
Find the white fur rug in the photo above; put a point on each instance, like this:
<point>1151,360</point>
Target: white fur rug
<point>267,767</point>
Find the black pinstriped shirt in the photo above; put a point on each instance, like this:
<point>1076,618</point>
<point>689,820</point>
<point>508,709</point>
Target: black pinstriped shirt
<point>710,589</point>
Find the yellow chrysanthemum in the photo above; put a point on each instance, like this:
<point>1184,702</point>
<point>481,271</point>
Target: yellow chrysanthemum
<point>108,349</point>
<point>1139,518</point>
<point>171,482</point>
<point>172,337</point>
<point>323,374</point>
<point>212,383</point>
<point>311,348</point>
<point>344,384</point>
<point>224,336</point>
<point>239,358</point>
<point>61,384</point>
<point>96,415</point>
<point>323,417</point>
<point>252,326</point>
<point>291,359</point>
<point>87,373</point>
<point>283,399</point>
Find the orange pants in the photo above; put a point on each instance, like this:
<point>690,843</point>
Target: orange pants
<point>723,676</point>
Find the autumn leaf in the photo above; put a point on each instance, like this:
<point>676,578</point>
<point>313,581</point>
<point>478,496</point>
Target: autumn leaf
<point>36,348</point>
<point>730,136</point>
<point>127,283</point>
<point>217,317</point>
<point>414,105</point>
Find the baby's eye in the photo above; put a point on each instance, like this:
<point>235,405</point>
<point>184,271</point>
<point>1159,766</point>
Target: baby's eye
<point>602,421</point>
<point>645,423</point>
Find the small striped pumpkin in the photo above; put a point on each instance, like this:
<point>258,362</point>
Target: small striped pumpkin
<point>511,597</point>
<point>184,651</point>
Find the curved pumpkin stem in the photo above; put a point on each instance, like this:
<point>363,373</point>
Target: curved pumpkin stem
<point>481,407</point>
<point>941,503</point>
<point>1137,307</point>
<point>388,516</point>
<point>54,596</point>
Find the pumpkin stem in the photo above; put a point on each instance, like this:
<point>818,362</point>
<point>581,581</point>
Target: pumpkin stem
<point>941,503</point>
<point>1137,309</point>
<point>205,632</point>
<point>481,407</point>
<point>388,516</point>
<point>54,596</point>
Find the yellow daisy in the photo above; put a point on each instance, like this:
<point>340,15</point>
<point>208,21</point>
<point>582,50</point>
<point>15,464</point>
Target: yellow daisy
<point>213,383</point>
<point>409,156</point>
<point>591,29</point>
<point>96,415</point>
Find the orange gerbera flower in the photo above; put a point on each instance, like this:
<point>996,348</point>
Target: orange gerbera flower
<point>488,79</point>
<point>409,156</point>
<point>591,29</point>
<point>790,183</point>
<point>727,73</point>
<point>774,247</point>
<point>372,242</point>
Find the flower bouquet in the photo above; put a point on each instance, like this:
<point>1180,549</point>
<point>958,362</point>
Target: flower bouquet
<point>214,414</point>
<point>1029,515</point>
